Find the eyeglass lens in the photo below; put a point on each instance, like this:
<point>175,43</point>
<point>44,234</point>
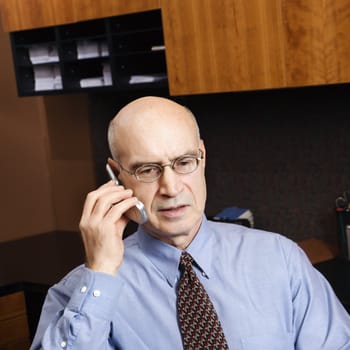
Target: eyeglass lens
<point>182,165</point>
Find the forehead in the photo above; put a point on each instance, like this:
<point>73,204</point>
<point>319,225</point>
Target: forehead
<point>156,135</point>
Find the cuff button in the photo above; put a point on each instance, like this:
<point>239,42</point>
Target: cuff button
<point>96,293</point>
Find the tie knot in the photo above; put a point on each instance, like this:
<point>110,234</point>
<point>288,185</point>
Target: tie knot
<point>186,261</point>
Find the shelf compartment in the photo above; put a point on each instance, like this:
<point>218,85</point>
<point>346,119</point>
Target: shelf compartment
<point>87,74</point>
<point>84,49</point>
<point>138,42</point>
<point>37,36</point>
<point>40,78</point>
<point>149,63</point>
<point>138,70</point>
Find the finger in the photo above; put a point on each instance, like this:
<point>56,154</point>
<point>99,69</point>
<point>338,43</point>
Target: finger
<point>94,196</point>
<point>116,212</point>
<point>104,203</point>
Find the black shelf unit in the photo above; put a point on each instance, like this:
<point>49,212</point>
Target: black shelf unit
<point>122,53</point>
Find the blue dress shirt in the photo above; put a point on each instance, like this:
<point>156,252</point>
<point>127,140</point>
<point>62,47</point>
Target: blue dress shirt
<point>266,293</point>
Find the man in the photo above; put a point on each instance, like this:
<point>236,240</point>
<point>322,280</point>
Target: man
<point>265,293</point>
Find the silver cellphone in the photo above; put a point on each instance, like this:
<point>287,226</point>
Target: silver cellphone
<point>139,215</point>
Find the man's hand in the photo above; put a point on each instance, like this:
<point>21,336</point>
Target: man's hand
<point>102,225</point>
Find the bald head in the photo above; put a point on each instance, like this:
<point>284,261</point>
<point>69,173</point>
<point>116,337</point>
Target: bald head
<point>147,119</point>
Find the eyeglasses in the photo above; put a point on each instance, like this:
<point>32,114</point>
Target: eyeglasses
<point>151,172</point>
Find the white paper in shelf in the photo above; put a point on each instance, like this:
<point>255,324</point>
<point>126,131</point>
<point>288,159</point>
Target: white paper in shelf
<point>105,80</point>
<point>47,77</point>
<point>139,79</point>
<point>158,48</point>
<point>91,49</point>
<point>104,49</point>
<point>87,49</point>
<point>91,82</point>
<point>57,83</point>
<point>107,76</point>
<point>43,54</point>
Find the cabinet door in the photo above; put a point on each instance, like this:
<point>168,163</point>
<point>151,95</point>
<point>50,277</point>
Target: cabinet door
<point>223,45</point>
<point>14,333</point>
<point>316,41</point>
<point>232,45</point>
<point>28,14</point>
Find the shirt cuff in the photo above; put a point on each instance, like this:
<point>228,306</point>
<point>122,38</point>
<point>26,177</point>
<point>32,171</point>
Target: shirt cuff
<point>96,294</point>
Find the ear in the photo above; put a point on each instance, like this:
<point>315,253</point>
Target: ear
<point>202,148</point>
<point>114,165</point>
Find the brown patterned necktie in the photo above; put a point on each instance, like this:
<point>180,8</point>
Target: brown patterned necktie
<point>199,323</point>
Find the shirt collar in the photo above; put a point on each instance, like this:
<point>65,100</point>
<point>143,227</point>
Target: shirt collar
<point>166,258</point>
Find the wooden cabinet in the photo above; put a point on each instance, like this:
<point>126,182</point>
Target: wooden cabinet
<point>29,14</point>
<point>232,45</point>
<point>224,45</point>
<point>14,332</point>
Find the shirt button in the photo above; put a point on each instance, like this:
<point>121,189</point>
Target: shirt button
<point>83,289</point>
<point>63,344</point>
<point>96,293</point>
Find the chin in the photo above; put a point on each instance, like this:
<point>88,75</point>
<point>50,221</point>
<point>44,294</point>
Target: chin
<point>171,229</point>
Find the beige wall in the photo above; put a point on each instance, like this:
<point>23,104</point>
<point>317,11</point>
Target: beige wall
<point>45,158</point>
<point>70,157</point>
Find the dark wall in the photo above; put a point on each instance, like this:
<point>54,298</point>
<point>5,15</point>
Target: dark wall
<point>41,259</point>
<point>280,153</point>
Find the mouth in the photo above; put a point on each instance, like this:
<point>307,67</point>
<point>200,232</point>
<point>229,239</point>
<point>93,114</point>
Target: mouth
<point>172,212</point>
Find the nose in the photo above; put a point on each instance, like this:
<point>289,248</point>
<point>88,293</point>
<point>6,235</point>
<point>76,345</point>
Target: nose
<point>170,183</point>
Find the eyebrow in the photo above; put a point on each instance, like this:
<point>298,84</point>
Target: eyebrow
<point>136,165</point>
